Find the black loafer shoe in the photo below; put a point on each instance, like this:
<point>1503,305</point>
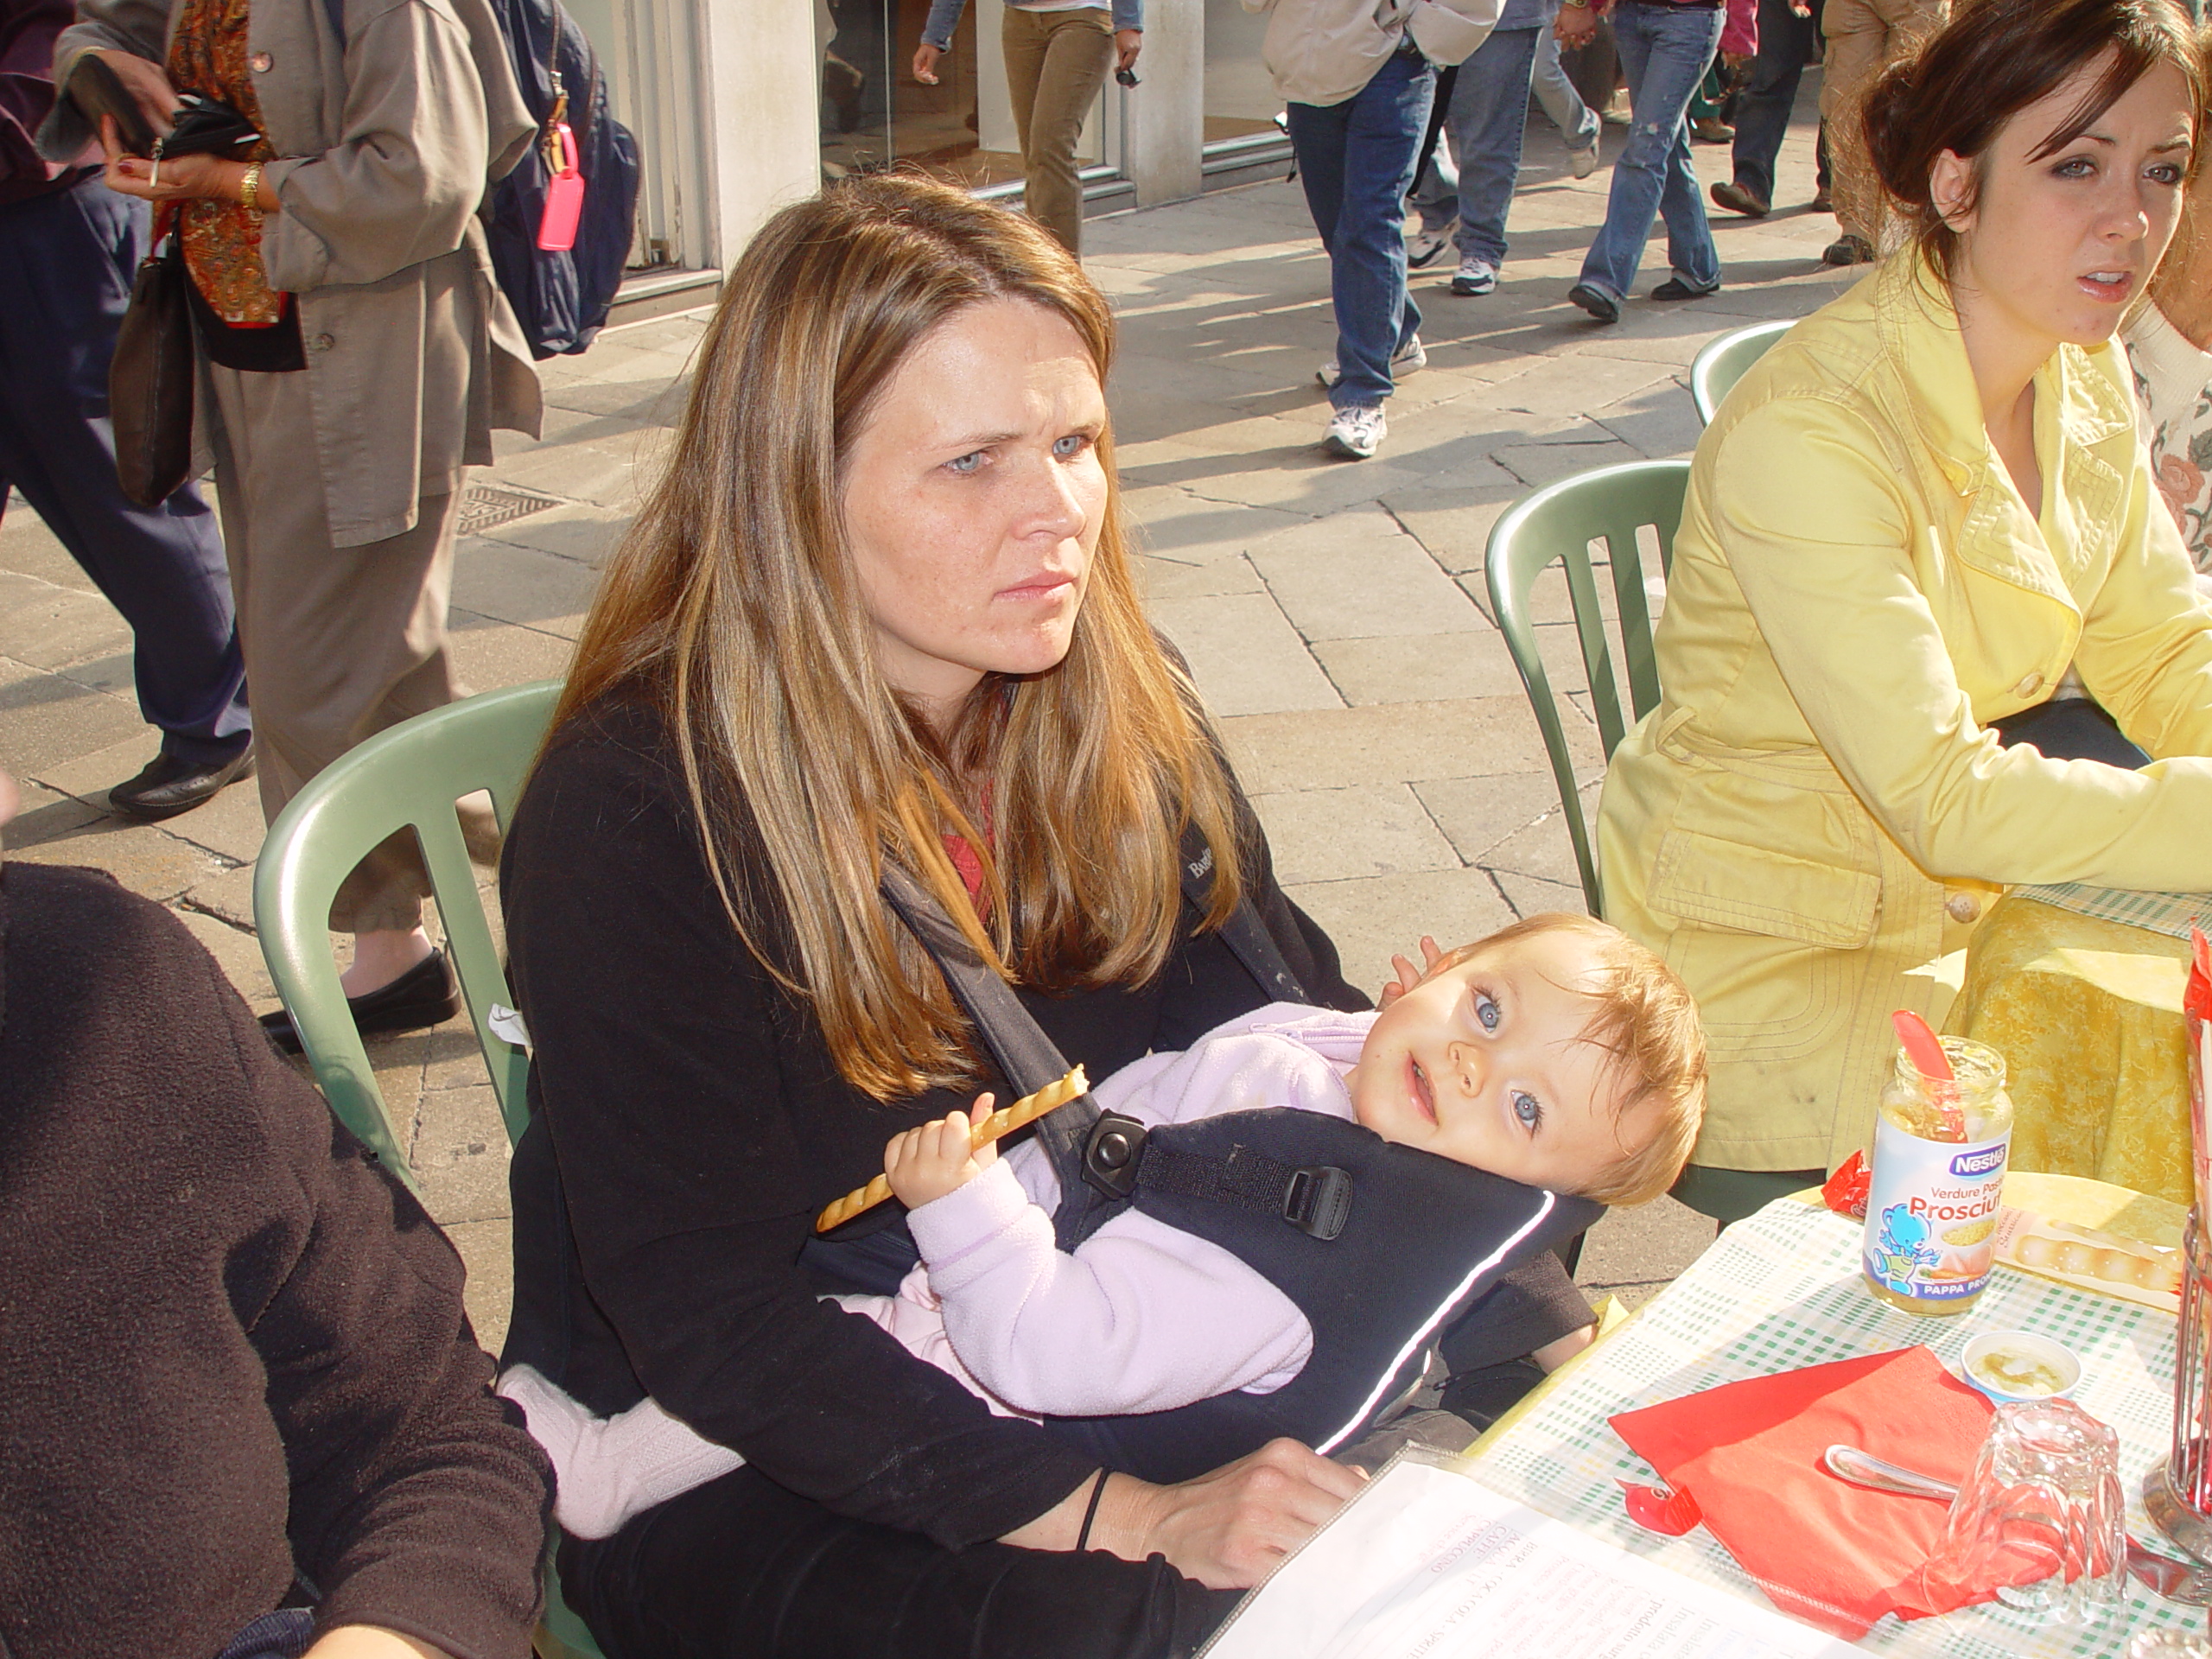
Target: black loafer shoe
<point>1676,289</point>
<point>1599,303</point>
<point>425,996</point>
<point>168,785</point>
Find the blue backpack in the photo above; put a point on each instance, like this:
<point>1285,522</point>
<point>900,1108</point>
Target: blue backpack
<point>561,299</point>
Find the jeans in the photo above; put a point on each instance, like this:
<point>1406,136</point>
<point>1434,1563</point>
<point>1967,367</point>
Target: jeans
<point>1762,107</point>
<point>1665,51</point>
<point>1356,160</point>
<point>66,264</point>
<point>1489,113</point>
<point>1577,122</point>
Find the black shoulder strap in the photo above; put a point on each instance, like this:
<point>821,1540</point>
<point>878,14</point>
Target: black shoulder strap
<point>1029,1058</point>
<point>1244,933</point>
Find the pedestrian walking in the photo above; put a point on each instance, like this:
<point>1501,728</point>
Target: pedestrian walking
<point>1578,124</point>
<point>1487,117</point>
<point>1358,80</point>
<point>1666,48</point>
<point>68,247</point>
<point>1863,37</point>
<point>1762,106</point>
<point>1058,55</point>
<point>353,355</point>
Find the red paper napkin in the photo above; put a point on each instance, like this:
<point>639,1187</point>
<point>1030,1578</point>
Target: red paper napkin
<point>1832,1553</point>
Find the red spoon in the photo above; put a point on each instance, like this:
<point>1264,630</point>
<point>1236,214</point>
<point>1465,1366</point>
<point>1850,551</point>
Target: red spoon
<point>1926,1050</point>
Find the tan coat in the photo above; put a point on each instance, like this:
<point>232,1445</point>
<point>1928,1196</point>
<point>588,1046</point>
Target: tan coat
<point>1815,810</point>
<point>389,144</point>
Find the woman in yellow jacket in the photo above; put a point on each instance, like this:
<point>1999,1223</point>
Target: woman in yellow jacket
<point>1907,522</point>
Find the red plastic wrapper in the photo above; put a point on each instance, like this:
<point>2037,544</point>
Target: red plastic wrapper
<point>2196,1007</point>
<point>1846,1191</point>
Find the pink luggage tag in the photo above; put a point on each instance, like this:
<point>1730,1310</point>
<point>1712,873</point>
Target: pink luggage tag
<point>564,195</point>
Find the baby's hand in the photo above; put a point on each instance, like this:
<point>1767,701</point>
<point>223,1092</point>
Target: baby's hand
<point>925,1164</point>
<point>1408,975</point>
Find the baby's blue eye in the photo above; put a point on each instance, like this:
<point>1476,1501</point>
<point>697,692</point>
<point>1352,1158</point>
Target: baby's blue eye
<point>1487,1011</point>
<point>1528,1109</point>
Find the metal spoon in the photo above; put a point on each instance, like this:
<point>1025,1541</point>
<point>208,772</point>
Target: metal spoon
<point>2160,1574</point>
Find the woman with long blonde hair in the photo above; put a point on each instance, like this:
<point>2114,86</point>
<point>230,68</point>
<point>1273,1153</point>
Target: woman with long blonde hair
<point>881,609</point>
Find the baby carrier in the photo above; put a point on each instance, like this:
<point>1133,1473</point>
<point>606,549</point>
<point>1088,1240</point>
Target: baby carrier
<point>1380,1246</point>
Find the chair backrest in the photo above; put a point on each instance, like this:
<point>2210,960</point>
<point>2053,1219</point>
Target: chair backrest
<point>407,777</point>
<point>1555,525</point>
<point>1717,368</point>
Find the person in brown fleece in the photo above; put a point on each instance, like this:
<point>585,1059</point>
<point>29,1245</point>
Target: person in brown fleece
<point>242,1412</point>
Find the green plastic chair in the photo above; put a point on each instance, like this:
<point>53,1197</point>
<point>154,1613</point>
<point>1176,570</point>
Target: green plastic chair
<point>410,775</point>
<point>1717,368</point>
<point>1555,525</point>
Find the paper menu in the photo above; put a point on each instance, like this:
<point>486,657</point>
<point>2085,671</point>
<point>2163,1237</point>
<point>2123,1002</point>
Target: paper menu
<point>1427,1563</point>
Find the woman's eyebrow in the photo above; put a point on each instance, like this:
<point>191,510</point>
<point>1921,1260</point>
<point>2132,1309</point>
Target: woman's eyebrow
<point>969,442</point>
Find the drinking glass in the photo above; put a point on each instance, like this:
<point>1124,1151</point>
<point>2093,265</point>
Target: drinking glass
<point>2041,1516</point>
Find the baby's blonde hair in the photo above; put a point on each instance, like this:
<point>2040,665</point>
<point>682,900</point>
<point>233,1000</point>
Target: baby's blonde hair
<point>1646,1020</point>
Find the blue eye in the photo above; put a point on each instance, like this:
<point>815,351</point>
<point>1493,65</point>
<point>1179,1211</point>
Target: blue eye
<point>966,465</point>
<point>1528,1111</point>
<point>1071,446</point>
<point>1487,1011</point>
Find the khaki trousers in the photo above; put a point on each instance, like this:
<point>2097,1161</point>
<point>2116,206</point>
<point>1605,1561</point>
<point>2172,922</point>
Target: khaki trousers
<point>1864,37</point>
<point>339,642</point>
<point>1056,61</point>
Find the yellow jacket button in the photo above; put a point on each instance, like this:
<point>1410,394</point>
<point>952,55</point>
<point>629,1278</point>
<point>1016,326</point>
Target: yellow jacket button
<point>1962,907</point>
<point>2028,686</point>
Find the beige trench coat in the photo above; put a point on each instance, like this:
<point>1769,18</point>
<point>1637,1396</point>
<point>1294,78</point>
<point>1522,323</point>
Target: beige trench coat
<point>1816,810</point>
<point>1322,52</point>
<point>389,144</point>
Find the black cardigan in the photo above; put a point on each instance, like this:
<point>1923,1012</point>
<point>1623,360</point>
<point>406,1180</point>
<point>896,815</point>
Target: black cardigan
<point>698,1125</point>
<point>230,1347</point>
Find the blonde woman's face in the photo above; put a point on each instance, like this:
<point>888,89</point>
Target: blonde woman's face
<point>974,497</point>
<point>2057,247</point>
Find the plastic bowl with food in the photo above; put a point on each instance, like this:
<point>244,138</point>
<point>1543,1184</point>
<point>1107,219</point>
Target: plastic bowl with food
<point>2014,1365</point>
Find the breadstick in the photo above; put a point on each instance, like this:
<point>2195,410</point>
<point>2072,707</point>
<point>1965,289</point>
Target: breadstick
<point>1005,1120</point>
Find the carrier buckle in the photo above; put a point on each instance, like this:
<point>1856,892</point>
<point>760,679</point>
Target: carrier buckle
<point>1111,1156</point>
<point>1317,1202</point>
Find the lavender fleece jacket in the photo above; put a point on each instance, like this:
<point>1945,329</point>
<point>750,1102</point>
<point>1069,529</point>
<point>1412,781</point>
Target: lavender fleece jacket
<point>1142,1316</point>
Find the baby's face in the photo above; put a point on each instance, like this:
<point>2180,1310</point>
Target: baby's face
<point>1485,1063</point>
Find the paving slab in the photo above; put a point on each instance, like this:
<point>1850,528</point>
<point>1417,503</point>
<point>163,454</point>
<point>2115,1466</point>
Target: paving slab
<point>1372,918</point>
<point>1245,656</point>
<point>1334,835</point>
<point>1357,575</point>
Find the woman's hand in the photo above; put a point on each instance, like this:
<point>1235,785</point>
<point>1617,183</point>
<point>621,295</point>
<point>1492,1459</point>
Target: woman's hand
<point>1408,975</point>
<point>925,57</point>
<point>175,180</point>
<point>1231,1529</point>
<point>925,1164</point>
<point>370,1642</point>
<point>1227,1529</point>
<point>1128,43</point>
<point>1577,25</point>
<point>149,87</point>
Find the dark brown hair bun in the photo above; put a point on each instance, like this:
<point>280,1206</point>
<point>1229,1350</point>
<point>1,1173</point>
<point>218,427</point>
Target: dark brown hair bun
<point>1994,59</point>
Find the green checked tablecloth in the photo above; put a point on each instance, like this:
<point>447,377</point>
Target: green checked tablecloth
<point>1781,1290</point>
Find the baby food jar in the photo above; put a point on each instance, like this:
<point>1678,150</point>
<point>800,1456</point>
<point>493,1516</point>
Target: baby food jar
<point>1938,1180</point>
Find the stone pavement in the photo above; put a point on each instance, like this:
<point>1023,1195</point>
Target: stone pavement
<point>1334,612</point>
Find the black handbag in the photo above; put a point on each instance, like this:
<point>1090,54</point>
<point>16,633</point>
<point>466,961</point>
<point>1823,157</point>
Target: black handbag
<point>149,382</point>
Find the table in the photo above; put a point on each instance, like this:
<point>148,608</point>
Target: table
<point>2086,1013</point>
<point>1780,1290</point>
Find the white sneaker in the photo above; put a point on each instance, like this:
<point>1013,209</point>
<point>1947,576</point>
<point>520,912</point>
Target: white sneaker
<point>1410,356</point>
<point>1424,246</point>
<point>1355,434</point>
<point>1475,276</point>
<point>1584,162</point>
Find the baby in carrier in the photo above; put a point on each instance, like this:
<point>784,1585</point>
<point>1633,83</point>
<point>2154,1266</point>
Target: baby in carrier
<point>1557,1054</point>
